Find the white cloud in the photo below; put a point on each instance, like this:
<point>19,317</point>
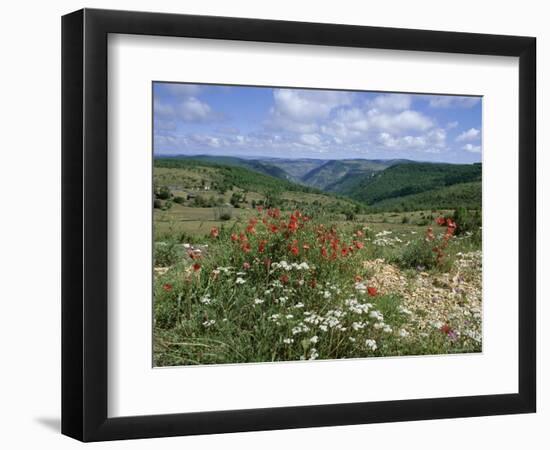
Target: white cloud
<point>391,102</point>
<point>190,109</point>
<point>300,111</point>
<point>448,101</point>
<point>432,142</point>
<point>470,135</point>
<point>452,125</point>
<point>472,148</point>
<point>310,139</point>
<point>194,110</point>
<point>306,105</point>
<point>405,120</point>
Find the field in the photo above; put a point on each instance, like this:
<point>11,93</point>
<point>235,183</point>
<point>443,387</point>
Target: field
<point>253,268</point>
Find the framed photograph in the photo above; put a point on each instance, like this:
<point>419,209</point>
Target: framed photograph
<point>273,224</point>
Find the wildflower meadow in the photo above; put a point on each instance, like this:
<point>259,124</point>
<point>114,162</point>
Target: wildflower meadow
<point>285,286</point>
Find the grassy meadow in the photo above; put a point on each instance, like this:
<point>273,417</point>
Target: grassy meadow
<point>254,268</point>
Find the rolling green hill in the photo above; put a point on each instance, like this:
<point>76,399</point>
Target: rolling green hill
<point>412,178</point>
<point>334,175</point>
<point>467,195</point>
<point>380,184</point>
<point>247,177</point>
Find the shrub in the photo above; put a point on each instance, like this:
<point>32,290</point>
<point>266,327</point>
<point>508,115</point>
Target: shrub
<point>418,254</point>
<point>467,221</point>
<point>225,216</point>
<point>157,204</point>
<point>163,193</point>
<point>405,219</point>
<point>350,216</point>
<point>166,253</point>
<point>179,200</point>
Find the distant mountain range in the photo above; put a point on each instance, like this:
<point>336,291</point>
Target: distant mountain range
<point>380,183</point>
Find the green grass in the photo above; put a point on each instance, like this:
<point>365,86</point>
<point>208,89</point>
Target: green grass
<point>204,316</point>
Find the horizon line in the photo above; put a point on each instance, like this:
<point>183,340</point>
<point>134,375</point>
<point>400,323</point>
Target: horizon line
<point>259,157</point>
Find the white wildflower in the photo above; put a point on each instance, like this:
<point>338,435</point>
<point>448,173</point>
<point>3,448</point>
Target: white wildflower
<point>314,339</point>
<point>209,323</point>
<point>371,344</point>
<point>258,301</point>
<point>288,340</point>
<point>377,315</point>
<point>240,280</point>
<point>314,354</point>
<point>403,333</point>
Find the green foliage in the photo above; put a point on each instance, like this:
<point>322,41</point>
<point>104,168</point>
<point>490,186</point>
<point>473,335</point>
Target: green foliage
<point>450,197</point>
<point>412,178</point>
<point>163,193</point>
<point>350,215</point>
<point>418,254</point>
<point>467,221</point>
<point>245,175</point>
<point>166,253</point>
<point>178,200</point>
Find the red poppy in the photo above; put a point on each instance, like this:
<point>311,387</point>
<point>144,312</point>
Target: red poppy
<point>245,247</point>
<point>440,221</point>
<point>214,232</point>
<point>451,223</point>
<point>251,229</point>
<point>359,245</point>
<point>293,226</point>
<point>295,251</point>
<point>324,252</point>
<point>261,245</point>
<point>196,267</point>
<point>260,208</point>
<point>167,287</point>
<point>284,279</point>
<point>345,251</point>
<point>372,291</point>
<point>194,254</point>
<point>445,329</point>
<point>275,213</point>
<point>234,237</point>
<point>246,265</point>
<point>273,228</point>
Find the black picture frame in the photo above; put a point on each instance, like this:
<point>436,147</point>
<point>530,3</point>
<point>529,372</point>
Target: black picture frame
<point>84,224</point>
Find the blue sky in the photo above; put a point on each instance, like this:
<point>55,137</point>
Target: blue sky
<point>191,119</point>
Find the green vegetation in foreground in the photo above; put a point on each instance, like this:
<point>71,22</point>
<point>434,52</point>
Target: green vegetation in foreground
<point>281,286</point>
